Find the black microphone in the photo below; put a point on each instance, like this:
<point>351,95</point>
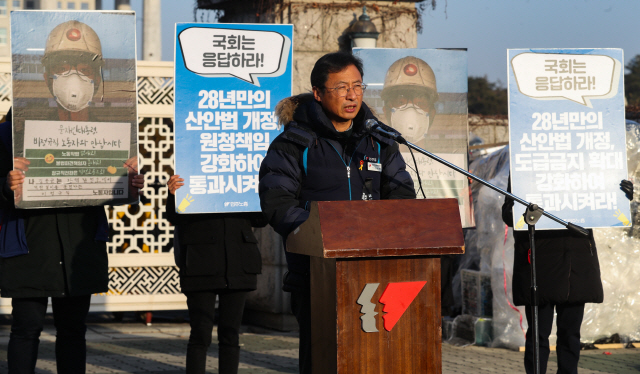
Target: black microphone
<point>373,126</point>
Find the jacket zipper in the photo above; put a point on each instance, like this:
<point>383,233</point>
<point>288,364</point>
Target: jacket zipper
<point>345,164</point>
<point>349,179</point>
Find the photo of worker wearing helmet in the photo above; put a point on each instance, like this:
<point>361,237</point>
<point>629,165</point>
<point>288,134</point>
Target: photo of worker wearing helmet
<point>72,70</point>
<point>422,93</point>
<point>409,95</point>
<point>74,107</point>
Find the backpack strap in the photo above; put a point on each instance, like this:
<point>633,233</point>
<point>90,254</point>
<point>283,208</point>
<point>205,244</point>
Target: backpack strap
<point>303,136</point>
<point>300,135</point>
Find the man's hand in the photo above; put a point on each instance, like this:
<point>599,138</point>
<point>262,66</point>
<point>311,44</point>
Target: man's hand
<point>627,187</point>
<point>132,165</point>
<point>15,178</point>
<point>137,181</point>
<point>175,182</point>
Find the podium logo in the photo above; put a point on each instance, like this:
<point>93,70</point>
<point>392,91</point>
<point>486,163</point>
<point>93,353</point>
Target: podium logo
<point>396,298</point>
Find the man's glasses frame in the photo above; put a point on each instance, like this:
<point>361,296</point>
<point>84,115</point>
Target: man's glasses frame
<point>343,90</point>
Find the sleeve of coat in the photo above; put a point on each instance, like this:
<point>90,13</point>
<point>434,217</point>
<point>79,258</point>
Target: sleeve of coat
<point>6,165</point>
<point>507,212</point>
<point>257,220</point>
<point>170,209</point>
<point>396,180</point>
<point>280,179</point>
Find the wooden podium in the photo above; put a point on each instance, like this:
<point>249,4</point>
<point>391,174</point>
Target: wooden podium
<point>355,245</point>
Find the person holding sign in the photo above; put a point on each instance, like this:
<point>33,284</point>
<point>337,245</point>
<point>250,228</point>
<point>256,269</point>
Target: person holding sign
<point>325,153</point>
<point>568,276</point>
<point>218,256</point>
<point>52,252</point>
<point>59,250</point>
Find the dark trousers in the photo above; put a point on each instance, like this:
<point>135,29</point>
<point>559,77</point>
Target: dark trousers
<point>201,306</point>
<point>568,324</point>
<point>447,272</point>
<point>69,315</point>
<point>301,308</point>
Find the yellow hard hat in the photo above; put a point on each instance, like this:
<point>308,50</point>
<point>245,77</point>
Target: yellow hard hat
<point>73,37</point>
<point>410,72</point>
<point>410,76</point>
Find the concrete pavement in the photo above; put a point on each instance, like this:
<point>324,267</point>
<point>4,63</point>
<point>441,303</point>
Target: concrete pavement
<point>132,347</point>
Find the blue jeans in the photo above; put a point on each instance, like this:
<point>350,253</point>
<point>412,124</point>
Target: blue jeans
<point>69,315</point>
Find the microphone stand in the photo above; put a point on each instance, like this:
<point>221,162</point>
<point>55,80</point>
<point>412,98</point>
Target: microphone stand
<point>531,215</point>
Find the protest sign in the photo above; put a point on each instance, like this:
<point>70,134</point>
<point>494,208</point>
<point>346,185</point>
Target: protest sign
<point>422,93</point>
<point>228,79</point>
<point>567,135</point>
<point>75,125</point>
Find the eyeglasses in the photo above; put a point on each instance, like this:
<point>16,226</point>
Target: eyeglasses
<point>343,90</point>
<point>420,101</point>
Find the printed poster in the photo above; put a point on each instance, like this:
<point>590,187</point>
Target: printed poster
<point>228,79</point>
<point>75,125</point>
<point>567,135</point>
<point>422,93</point>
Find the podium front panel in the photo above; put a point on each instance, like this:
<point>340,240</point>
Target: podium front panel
<point>400,299</point>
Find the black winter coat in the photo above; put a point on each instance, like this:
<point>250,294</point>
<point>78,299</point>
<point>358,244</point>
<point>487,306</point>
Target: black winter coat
<point>217,250</point>
<point>311,161</point>
<point>65,255</point>
<point>567,268</point>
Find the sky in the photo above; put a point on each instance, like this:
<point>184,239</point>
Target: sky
<point>487,28</point>
<point>171,12</point>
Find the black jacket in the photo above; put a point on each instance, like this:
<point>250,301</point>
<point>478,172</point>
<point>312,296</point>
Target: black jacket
<point>217,250</point>
<point>66,255</point>
<point>311,161</point>
<point>567,268</point>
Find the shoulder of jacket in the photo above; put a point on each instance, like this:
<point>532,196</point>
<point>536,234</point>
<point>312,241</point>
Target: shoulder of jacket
<point>300,135</point>
<point>291,141</point>
<point>286,108</point>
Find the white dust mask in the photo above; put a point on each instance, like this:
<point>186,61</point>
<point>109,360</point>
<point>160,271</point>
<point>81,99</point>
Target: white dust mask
<point>411,121</point>
<point>73,90</point>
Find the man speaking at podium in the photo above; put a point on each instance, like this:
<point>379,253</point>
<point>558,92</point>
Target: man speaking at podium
<point>325,154</point>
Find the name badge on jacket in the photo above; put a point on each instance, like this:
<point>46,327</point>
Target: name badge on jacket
<point>374,166</point>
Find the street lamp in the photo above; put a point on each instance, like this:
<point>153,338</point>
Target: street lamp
<point>363,32</point>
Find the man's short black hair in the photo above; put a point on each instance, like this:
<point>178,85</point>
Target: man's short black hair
<point>333,63</point>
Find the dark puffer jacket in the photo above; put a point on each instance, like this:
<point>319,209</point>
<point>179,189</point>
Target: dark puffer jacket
<point>311,161</point>
<point>567,268</point>
<point>217,251</point>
